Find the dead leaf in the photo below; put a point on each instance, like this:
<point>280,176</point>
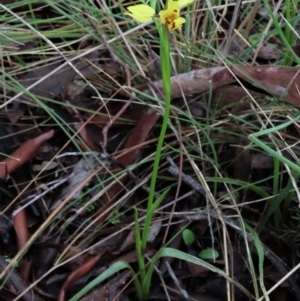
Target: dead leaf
<point>128,157</point>
<point>81,128</point>
<point>23,154</point>
<point>21,228</point>
<point>52,86</point>
<point>283,82</point>
<point>229,95</point>
<point>153,232</point>
<point>84,168</point>
<point>78,273</point>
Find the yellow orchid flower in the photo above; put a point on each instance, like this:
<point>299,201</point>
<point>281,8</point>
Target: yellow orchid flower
<point>142,13</point>
<point>170,15</point>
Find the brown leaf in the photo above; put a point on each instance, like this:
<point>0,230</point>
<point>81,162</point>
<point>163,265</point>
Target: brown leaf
<point>229,95</point>
<point>83,133</point>
<point>128,157</point>
<point>138,136</point>
<point>21,228</point>
<point>23,154</point>
<point>282,82</point>
<point>52,86</point>
<point>78,273</point>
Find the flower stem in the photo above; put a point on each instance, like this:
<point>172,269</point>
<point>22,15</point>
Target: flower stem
<point>166,73</point>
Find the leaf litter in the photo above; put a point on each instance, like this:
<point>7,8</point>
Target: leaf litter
<point>101,150</point>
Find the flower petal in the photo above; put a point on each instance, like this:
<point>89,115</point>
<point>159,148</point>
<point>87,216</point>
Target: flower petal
<point>184,2</point>
<point>142,13</point>
<point>172,5</point>
<point>178,23</point>
<point>162,16</point>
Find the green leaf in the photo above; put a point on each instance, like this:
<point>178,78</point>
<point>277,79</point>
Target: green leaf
<point>209,254</point>
<point>170,252</point>
<point>188,237</point>
<point>113,269</point>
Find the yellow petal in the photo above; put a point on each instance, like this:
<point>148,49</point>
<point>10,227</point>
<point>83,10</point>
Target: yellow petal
<point>172,5</point>
<point>177,4</point>
<point>163,15</point>
<point>142,13</point>
<point>178,23</point>
<point>184,2</point>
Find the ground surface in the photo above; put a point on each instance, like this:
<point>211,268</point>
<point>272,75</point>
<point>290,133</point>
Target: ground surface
<point>82,105</point>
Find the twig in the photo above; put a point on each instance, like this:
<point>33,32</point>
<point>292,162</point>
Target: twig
<point>111,122</point>
<point>183,292</point>
<point>60,182</point>
<point>174,170</point>
<point>160,275</point>
<point>103,156</point>
<point>232,26</point>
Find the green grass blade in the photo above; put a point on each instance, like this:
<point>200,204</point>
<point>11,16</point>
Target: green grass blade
<point>116,267</point>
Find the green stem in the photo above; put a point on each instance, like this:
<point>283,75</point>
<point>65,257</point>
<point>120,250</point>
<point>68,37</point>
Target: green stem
<point>138,244</point>
<point>166,73</point>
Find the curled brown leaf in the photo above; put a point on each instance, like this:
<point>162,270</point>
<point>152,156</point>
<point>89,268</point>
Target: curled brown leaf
<point>23,154</point>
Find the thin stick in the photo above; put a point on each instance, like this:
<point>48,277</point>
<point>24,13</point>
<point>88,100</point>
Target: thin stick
<point>174,170</point>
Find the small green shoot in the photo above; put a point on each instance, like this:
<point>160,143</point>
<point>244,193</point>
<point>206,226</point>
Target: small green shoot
<point>209,254</point>
<point>188,237</point>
